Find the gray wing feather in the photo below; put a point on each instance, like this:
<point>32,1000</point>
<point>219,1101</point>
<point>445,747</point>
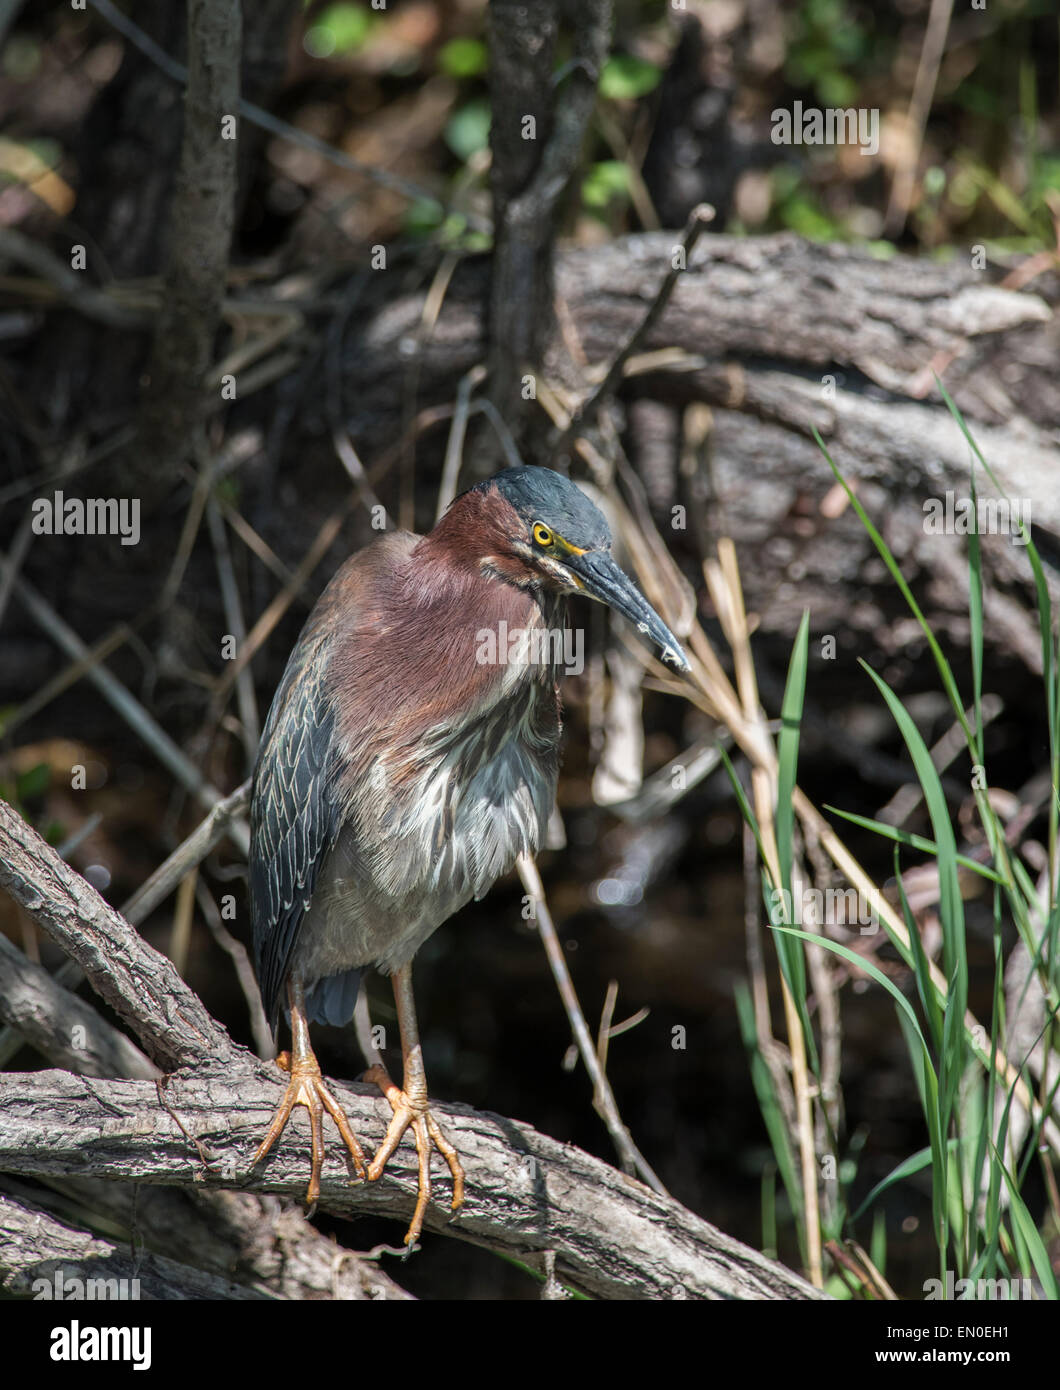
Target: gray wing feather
<point>294,816</point>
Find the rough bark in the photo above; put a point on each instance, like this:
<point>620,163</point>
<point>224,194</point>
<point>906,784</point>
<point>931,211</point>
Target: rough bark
<point>201,220</point>
<point>527,1194</point>
<point>62,1027</point>
<point>263,1243</point>
<point>770,317</point>
<point>529,173</point>
<point>138,983</point>
<point>35,1245</point>
<point>778,337</point>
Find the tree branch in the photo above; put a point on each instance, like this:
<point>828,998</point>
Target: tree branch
<point>65,1029</point>
<point>526,1193</point>
<point>35,1245</point>
<point>263,1242</point>
<point>138,983</point>
<point>202,215</point>
<point>529,172</point>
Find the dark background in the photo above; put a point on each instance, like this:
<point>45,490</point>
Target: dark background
<point>685,104</point>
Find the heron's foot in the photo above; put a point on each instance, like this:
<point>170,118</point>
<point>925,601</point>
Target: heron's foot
<point>411,1112</point>
<point>306,1087</point>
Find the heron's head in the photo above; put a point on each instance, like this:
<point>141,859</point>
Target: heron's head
<point>549,534</point>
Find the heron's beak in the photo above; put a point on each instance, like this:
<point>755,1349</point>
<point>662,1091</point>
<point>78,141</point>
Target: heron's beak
<point>602,579</point>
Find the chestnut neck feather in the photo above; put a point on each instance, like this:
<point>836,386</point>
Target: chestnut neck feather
<point>477,525</point>
<point>419,620</point>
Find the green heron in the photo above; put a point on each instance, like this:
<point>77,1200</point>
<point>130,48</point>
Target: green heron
<point>400,773</point>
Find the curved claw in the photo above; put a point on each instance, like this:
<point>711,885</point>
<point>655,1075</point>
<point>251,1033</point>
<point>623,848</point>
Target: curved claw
<point>306,1087</point>
<point>414,1114</point>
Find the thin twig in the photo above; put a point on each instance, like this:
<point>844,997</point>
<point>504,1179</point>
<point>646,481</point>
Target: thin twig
<point>67,677</point>
<point>225,814</point>
<point>927,74</point>
<point>188,532</point>
<point>632,1160</point>
<point>607,1014</point>
<point>585,414</point>
<point>66,284</point>
<point>177,72</point>
<point>334,378</point>
<point>322,543</point>
<point>183,917</point>
<point>154,890</point>
<point>264,1044</point>
<point>260,547</point>
<point>429,312</point>
<point>724,581</point>
<point>15,556</point>
<point>129,708</point>
<point>454,448</point>
<point>512,456</point>
<point>139,983</point>
<point>248,705</point>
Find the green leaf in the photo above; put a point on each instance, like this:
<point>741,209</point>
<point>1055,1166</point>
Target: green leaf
<point>605,181</point>
<point>802,214</point>
<point>32,784</point>
<point>863,963</point>
<point>975,618</point>
<point>896,574</point>
<point>624,78</point>
<point>929,1001</point>
<point>468,129</point>
<point>462,58</point>
<point>338,30</point>
<point>927,1080</point>
<point>913,1164</point>
<point>746,809</point>
<point>423,215</point>
<point>837,89</point>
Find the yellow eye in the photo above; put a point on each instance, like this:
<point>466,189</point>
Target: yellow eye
<point>542,534</point>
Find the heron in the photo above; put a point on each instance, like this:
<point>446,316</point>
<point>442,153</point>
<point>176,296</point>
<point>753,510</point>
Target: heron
<point>405,764</point>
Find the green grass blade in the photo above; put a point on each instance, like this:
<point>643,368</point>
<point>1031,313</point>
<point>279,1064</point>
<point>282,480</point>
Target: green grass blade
<point>1024,1229</point>
<point>975,620</point>
<point>929,1000</point>
<point>788,747</point>
<point>944,669</point>
<point>918,842</point>
<point>769,1104</point>
<point>792,960</point>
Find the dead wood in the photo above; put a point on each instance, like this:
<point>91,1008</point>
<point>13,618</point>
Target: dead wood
<point>527,1194</point>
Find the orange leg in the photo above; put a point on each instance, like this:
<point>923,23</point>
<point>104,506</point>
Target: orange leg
<point>412,1110</point>
<point>306,1087</point>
